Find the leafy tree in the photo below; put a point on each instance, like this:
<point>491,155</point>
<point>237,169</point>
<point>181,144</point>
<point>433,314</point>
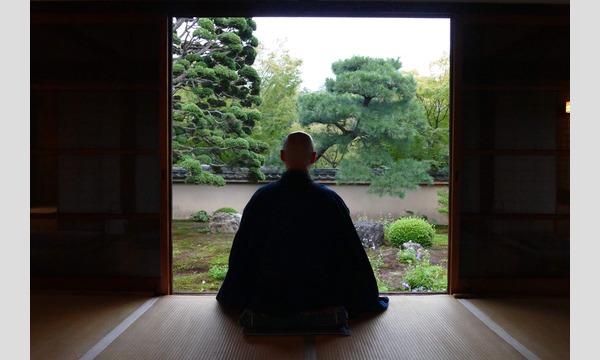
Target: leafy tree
<point>216,92</point>
<point>280,79</point>
<point>433,93</point>
<point>364,123</point>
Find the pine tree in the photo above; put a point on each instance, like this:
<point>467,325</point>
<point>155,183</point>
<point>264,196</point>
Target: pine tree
<point>364,123</point>
<point>216,92</point>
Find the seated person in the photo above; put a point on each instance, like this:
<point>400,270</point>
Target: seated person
<point>297,249</point>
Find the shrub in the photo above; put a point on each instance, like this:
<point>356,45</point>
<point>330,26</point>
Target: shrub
<point>219,259</point>
<point>411,253</point>
<point>376,263</point>
<point>443,201</point>
<point>200,216</point>
<point>407,255</point>
<point>424,277</point>
<point>218,272</point>
<point>226,210</point>
<point>412,229</point>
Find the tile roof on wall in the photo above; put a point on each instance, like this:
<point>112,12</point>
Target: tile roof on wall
<point>271,174</point>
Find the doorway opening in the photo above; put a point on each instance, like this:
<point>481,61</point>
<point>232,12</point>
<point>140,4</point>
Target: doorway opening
<point>241,84</point>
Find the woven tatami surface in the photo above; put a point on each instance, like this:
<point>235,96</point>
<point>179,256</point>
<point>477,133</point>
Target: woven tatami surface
<point>193,327</point>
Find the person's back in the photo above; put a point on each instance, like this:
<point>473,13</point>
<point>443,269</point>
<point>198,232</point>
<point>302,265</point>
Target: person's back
<point>296,248</point>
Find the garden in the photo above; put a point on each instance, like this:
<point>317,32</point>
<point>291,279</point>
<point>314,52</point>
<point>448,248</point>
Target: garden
<point>413,257</point>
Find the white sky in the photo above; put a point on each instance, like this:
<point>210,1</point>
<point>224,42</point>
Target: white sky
<point>319,42</point>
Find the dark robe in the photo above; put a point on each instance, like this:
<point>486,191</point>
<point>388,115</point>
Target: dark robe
<point>296,250</point>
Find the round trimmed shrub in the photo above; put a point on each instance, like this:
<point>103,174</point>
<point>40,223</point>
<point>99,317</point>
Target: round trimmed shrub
<point>225,210</point>
<point>412,229</point>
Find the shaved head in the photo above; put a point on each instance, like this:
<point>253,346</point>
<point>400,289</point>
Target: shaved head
<point>298,152</point>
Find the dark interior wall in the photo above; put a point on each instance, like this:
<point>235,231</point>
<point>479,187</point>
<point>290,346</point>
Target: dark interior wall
<point>100,150</point>
<point>512,160</point>
<point>97,159</point>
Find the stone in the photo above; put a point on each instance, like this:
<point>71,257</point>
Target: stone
<point>227,223</point>
<point>413,245</point>
<point>371,234</point>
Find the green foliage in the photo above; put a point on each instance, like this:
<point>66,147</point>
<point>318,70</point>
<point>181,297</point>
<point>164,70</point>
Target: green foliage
<point>205,178</point>
<point>201,282</point>
<point>205,255</point>
<point>215,98</point>
<point>377,262</point>
<point>226,210</point>
<point>219,259</point>
<point>412,229</point>
<point>433,95</point>
<point>364,123</point>
<point>386,222</point>
<point>408,255</point>
<point>440,240</point>
<point>195,251</point>
<point>200,216</point>
<point>395,179</point>
<point>280,80</point>
<point>198,176</point>
<point>424,277</point>
<point>218,272</point>
<point>443,201</point>
<point>441,235</point>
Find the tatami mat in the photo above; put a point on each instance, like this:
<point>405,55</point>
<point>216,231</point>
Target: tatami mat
<point>194,327</point>
<point>67,326</point>
<point>420,327</point>
<point>542,325</point>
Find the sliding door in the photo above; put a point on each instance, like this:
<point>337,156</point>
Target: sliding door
<point>511,154</point>
<point>99,178</point>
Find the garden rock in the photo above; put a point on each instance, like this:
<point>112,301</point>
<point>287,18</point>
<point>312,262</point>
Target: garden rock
<point>225,223</point>
<point>413,245</point>
<point>370,233</point>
